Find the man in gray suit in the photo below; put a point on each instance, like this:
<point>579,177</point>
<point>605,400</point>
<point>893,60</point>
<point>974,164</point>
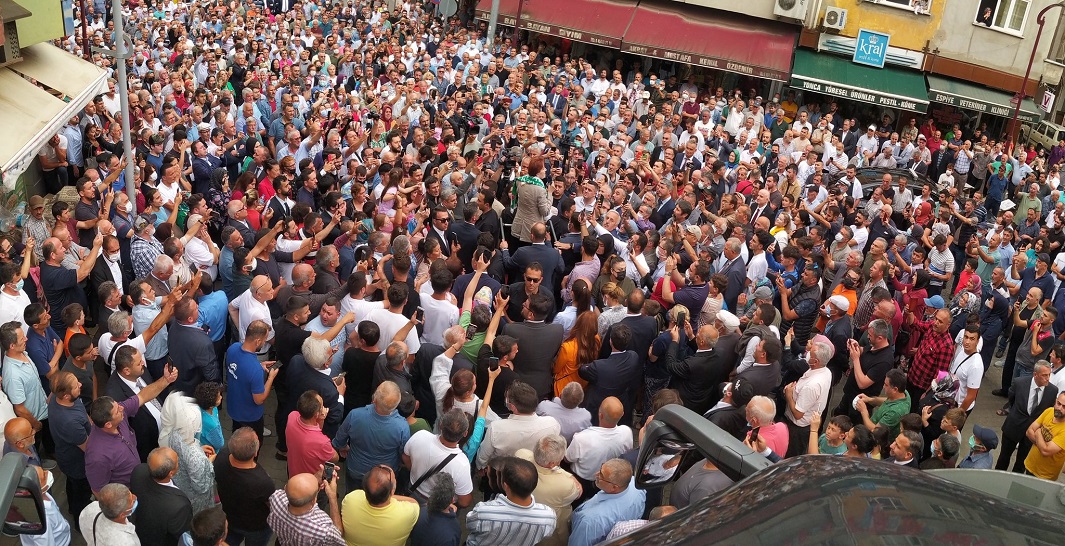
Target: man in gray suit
<point>538,344</point>
<point>1028,397</point>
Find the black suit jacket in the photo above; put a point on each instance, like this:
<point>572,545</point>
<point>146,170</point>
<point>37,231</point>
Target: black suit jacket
<point>697,377</point>
<point>731,419</point>
<point>144,426</point>
<point>192,353</point>
<point>245,231</point>
<point>489,223</point>
<point>538,344</point>
<point>467,235</point>
<point>557,106</point>
<point>663,212</point>
<point>644,331</point>
<point>163,512</point>
<point>618,375</point>
<point>302,378</point>
<point>101,274</point>
<point>1018,419</point>
<point>445,246</point>
<point>549,259</point>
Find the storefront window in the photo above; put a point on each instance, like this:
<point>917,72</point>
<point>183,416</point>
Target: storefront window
<point>1007,15</point>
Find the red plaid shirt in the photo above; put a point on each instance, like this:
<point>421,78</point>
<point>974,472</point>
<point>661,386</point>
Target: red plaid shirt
<point>933,355</point>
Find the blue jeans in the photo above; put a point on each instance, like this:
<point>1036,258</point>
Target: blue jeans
<point>236,537</point>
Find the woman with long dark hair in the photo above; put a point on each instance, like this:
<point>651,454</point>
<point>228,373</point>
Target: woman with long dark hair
<point>580,347</point>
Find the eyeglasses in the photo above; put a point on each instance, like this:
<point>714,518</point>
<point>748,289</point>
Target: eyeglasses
<point>533,279</point>
<point>599,478</point>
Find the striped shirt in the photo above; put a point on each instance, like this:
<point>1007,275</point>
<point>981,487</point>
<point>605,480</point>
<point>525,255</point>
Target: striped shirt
<point>500,521</point>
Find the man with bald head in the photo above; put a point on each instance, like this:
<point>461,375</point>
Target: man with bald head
<point>762,208</point>
<point>19,438</point>
<point>595,445</point>
<point>697,376</point>
<point>537,251</point>
<point>303,278</point>
<point>164,512</point>
<point>617,500</point>
<point>373,435</point>
<point>251,306</point>
<point>375,514</point>
<point>296,518</point>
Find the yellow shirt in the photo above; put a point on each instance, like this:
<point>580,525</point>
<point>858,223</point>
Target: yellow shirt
<point>1040,465</point>
<point>366,525</point>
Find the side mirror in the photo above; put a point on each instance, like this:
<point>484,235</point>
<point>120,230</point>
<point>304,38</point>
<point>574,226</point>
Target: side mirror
<point>677,430</point>
<point>660,455</point>
<point>21,499</point>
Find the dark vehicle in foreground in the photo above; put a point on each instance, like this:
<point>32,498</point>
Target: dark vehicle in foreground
<point>871,177</point>
<point>824,499</point>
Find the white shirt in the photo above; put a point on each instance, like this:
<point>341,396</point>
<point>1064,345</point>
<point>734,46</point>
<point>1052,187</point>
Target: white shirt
<point>116,273</point>
<point>811,395</point>
<point>361,308</point>
<point>250,309</point>
<point>969,369</point>
<point>287,245</point>
<point>439,316</point>
<point>1057,378</point>
<point>58,531</point>
<point>757,268</point>
<point>425,452</point>
<point>136,387</point>
<point>390,323</point>
<point>594,446</point>
<point>199,256</point>
<point>106,344</point>
<point>440,382</point>
<point>13,307</point>
<point>506,436</point>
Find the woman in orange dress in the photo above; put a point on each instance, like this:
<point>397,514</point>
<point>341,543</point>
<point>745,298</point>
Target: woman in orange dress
<point>580,347</point>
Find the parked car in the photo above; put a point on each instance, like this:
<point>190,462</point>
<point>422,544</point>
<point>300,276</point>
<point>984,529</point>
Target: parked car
<point>1045,135</point>
<point>828,499</point>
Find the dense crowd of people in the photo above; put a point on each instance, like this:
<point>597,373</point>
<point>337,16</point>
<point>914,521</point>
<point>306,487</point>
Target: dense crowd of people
<point>458,267</point>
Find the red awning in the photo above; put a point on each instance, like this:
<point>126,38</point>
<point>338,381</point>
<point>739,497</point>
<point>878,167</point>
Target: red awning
<point>597,22</point>
<point>508,11</point>
<point>715,39</point>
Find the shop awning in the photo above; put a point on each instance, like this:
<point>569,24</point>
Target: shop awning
<point>31,114</point>
<point>715,39</point>
<point>508,11</point>
<point>837,76</point>
<point>969,96</point>
<point>597,22</point>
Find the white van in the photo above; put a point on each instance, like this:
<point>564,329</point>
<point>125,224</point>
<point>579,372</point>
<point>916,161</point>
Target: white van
<point>1045,135</point>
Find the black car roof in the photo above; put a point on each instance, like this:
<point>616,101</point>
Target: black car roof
<point>819,499</point>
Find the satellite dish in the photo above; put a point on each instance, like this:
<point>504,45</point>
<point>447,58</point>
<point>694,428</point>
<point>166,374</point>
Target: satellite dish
<point>448,8</point>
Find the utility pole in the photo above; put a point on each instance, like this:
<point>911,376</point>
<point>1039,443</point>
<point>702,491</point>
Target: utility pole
<point>493,18</point>
<point>123,47</point>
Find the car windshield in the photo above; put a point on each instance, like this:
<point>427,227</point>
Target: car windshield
<point>822,499</point>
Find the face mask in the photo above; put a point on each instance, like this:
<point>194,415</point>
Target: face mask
<point>113,258</point>
<point>839,237</point>
<point>620,276</point>
<point>254,263</point>
<point>133,508</point>
<point>849,283</point>
<point>972,442</point>
<point>949,172</point>
<point>20,284</point>
<point>827,311</point>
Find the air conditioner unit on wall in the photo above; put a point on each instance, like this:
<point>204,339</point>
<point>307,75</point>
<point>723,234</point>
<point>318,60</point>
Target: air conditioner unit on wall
<point>835,18</point>
<point>791,9</point>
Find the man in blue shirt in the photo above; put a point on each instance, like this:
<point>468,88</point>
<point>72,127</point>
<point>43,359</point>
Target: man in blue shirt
<point>617,500</point>
<point>246,391</point>
<point>373,435</point>
<point>44,346</point>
